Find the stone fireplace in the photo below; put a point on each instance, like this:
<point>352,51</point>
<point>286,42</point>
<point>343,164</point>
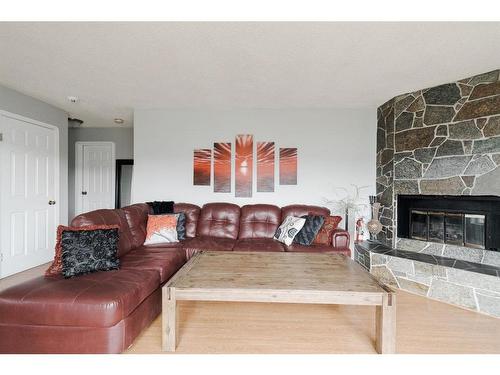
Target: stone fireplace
<point>440,141</point>
<point>438,181</point>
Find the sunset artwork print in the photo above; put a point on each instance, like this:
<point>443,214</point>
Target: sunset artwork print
<point>202,167</point>
<point>265,167</point>
<point>243,165</point>
<point>288,166</point>
<point>222,167</point>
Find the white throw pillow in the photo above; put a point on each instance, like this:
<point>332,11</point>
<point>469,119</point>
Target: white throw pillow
<point>161,229</point>
<point>289,229</point>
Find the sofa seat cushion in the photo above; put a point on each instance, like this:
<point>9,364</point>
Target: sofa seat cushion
<point>201,243</point>
<point>258,244</point>
<point>166,261</point>
<point>162,246</point>
<point>100,299</point>
<point>298,248</point>
<point>209,243</point>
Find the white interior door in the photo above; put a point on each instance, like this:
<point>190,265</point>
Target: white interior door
<point>95,176</point>
<point>29,173</point>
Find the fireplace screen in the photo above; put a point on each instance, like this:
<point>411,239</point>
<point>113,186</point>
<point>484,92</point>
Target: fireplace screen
<point>454,229</point>
<point>451,228</point>
<point>474,230</point>
<point>419,225</point>
<point>436,226</point>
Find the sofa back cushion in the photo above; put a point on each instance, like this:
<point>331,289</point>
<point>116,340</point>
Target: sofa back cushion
<point>137,218</point>
<point>192,213</point>
<point>108,217</point>
<point>259,221</point>
<point>301,210</point>
<point>219,220</point>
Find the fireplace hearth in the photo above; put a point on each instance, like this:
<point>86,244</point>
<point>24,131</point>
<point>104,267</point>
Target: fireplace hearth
<point>469,221</point>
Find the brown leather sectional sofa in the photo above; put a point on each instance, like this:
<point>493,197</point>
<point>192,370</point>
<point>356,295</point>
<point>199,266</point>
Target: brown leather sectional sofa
<point>104,312</point>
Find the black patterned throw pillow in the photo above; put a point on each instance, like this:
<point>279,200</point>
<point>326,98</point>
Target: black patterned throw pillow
<point>310,229</point>
<point>181,226</point>
<point>86,251</point>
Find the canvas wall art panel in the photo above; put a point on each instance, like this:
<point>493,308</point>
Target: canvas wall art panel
<point>265,167</point>
<point>202,161</point>
<point>222,167</point>
<point>243,165</point>
<point>288,166</point>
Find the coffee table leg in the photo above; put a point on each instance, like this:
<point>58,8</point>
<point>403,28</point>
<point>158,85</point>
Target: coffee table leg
<point>169,320</point>
<point>386,325</point>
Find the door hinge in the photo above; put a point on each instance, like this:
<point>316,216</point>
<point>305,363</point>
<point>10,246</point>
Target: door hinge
<point>1,137</point>
<point>1,257</point>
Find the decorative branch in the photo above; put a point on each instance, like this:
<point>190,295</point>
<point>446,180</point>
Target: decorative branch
<point>347,202</point>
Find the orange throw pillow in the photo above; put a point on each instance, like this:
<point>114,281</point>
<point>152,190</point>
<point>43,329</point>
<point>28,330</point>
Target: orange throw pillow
<point>325,234</point>
<point>56,266</point>
<point>161,229</point>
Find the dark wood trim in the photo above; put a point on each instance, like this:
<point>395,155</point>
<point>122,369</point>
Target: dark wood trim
<point>118,178</point>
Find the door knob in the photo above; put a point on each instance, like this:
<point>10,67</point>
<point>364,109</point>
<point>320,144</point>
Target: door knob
<point>51,203</point>
<point>84,193</point>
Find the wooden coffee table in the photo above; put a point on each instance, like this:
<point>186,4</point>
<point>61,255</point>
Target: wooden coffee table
<point>278,277</point>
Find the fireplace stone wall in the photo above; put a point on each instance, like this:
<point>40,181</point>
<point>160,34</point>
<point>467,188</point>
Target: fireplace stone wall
<point>442,140</point>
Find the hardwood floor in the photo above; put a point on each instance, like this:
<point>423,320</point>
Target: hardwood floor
<point>423,326</point>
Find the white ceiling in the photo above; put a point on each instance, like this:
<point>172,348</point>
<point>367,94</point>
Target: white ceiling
<point>116,67</point>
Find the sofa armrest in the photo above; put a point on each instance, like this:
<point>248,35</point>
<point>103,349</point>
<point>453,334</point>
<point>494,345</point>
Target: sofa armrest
<point>341,239</point>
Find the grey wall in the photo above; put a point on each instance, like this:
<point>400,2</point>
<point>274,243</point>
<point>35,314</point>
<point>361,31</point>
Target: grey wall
<point>23,105</point>
<point>124,148</point>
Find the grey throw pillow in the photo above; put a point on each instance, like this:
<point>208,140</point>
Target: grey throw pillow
<point>310,229</point>
<point>181,226</point>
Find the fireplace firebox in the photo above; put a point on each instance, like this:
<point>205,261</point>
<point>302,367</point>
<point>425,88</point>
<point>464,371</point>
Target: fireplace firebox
<point>470,221</point>
<point>452,228</point>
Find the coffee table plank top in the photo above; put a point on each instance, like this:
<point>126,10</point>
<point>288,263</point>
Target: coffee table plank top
<point>275,271</point>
